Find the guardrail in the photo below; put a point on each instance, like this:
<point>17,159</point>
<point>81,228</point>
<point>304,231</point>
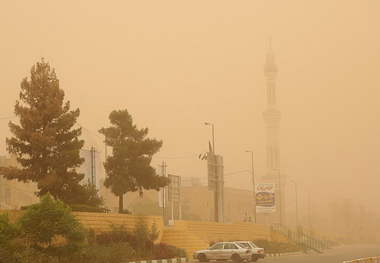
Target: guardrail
<point>364,260</point>
<point>311,242</point>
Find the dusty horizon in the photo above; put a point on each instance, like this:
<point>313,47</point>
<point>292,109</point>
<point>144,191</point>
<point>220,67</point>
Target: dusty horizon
<point>175,65</point>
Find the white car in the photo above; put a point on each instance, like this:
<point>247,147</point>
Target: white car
<point>224,251</point>
<point>257,252</point>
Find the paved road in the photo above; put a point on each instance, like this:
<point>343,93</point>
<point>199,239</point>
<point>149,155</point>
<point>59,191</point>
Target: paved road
<point>335,255</point>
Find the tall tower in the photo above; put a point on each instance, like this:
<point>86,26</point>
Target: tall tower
<point>272,117</point>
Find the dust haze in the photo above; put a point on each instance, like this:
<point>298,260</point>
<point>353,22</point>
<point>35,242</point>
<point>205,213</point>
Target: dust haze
<point>177,64</point>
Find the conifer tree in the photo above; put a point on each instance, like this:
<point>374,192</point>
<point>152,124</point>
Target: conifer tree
<point>45,143</point>
<point>128,169</point>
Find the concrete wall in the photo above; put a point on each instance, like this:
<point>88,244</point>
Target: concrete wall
<point>101,222</point>
<point>211,231</point>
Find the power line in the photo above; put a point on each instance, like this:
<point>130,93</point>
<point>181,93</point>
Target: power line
<point>182,157</point>
<point>93,133</point>
<point>6,118</point>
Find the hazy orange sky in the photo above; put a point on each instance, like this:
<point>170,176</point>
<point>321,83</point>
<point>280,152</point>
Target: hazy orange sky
<point>177,64</point>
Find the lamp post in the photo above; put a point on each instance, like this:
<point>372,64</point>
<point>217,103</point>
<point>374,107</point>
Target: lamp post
<point>216,185</point>
<point>253,183</point>
<point>295,183</point>
<point>213,142</point>
<point>308,207</point>
<point>279,189</point>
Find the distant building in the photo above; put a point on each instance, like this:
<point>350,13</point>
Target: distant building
<point>272,117</point>
<point>16,194</point>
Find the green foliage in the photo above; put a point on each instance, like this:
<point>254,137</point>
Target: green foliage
<point>91,237</point>
<point>154,233</point>
<point>45,143</point>
<point>277,247</point>
<point>85,208</point>
<point>44,222</point>
<point>93,198</point>
<point>163,251</point>
<point>118,234</point>
<point>111,253</point>
<point>179,252</point>
<point>33,255</point>
<point>141,232</point>
<point>125,211</point>
<point>128,169</point>
<point>8,231</point>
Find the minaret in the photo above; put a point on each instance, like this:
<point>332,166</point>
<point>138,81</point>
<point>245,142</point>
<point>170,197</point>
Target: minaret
<point>272,118</point>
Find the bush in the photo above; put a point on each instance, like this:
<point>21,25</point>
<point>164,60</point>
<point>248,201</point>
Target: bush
<point>85,208</point>
<point>112,253</point>
<point>48,220</point>
<point>179,252</point>
<point>163,251</point>
<point>277,247</point>
<point>8,231</point>
<point>141,232</point>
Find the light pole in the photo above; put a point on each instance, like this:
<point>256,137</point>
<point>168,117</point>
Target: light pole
<point>279,188</point>
<point>308,207</point>
<point>253,182</point>
<point>216,185</point>
<point>295,183</point>
<point>213,142</point>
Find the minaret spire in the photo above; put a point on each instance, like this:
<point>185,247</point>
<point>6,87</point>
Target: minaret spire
<point>272,117</point>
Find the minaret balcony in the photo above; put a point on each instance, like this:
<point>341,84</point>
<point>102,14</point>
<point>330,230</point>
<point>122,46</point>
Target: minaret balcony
<point>272,113</point>
<point>270,69</point>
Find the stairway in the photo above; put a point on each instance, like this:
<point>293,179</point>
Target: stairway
<point>183,239</point>
<point>315,243</point>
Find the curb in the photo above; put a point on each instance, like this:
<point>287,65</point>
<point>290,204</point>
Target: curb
<point>170,260</point>
<point>284,254</point>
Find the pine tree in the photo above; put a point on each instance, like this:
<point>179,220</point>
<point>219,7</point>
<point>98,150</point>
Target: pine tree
<point>128,169</point>
<point>45,143</point>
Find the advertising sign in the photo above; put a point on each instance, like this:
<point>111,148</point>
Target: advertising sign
<point>265,198</point>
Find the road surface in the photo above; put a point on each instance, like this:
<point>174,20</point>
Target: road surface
<point>334,255</point>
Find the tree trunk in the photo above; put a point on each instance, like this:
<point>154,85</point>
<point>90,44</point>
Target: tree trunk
<point>121,204</point>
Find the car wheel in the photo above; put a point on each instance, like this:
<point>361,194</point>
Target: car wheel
<point>235,258</point>
<point>202,258</point>
<point>254,259</point>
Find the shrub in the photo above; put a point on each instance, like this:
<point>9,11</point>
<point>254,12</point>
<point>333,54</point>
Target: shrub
<point>48,220</point>
<point>8,231</point>
<point>111,253</point>
<point>141,232</point>
<point>118,234</point>
<point>163,251</point>
<point>277,247</point>
<point>32,255</point>
<point>179,252</point>
<point>85,208</point>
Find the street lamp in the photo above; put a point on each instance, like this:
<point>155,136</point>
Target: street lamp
<point>217,188</point>
<point>279,188</point>
<point>308,207</point>
<point>213,142</point>
<point>253,182</point>
<point>295,183</point>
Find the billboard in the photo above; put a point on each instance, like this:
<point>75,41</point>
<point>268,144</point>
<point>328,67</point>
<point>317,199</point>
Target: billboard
<point>265,198</point>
